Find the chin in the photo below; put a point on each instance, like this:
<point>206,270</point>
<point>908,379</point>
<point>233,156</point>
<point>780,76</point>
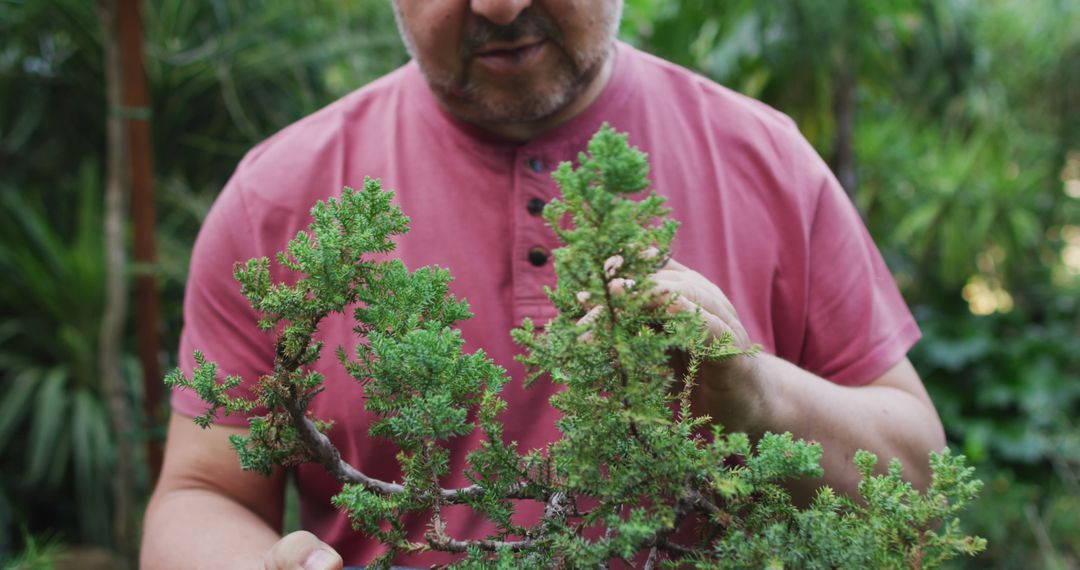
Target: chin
<point>520,104</point>
<point>517,109</point>
<point>516,100</point>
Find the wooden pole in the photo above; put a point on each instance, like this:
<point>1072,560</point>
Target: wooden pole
<point>140,174</point>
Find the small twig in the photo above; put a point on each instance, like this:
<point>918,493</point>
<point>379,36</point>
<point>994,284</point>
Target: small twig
<point>1042,537</point>
<point>673,547</point>
<point>437,522</point>
<point>689,383</point>
<point>1065,472</point>
<point>556,507</point>
<point>650,562</point>
<point>515,491</point>
<point>453,545</point>
<point>682,508</point>
<point>703,504</point>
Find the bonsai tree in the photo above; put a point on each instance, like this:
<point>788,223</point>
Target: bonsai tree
<point>633,465</point>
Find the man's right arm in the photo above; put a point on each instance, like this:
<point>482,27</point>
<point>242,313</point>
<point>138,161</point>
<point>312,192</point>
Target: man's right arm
<point>208,513</point>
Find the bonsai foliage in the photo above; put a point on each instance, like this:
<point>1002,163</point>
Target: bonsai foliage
<point>635,476</point>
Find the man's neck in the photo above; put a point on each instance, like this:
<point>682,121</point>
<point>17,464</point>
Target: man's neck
<point>526,131</point>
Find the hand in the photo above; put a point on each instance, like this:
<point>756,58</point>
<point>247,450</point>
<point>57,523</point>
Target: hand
<point>729,391</point>
<point>301,550</point>
<point>693,291</point>
<point>732,391</point>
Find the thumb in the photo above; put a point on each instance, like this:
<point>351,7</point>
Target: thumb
<point>301,549</point>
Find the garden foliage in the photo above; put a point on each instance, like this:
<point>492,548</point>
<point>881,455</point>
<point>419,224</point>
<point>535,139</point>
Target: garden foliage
<point>967,131</point>
<point>222,76</point>
<point>634,476</point>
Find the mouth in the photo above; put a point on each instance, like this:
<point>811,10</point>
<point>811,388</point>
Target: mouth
<point>509,58</point>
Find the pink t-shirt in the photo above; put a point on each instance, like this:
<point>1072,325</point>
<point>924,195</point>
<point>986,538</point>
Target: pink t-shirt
<point>762,217</point>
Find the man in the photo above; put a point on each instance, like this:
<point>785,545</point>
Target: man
<point>498,92</point>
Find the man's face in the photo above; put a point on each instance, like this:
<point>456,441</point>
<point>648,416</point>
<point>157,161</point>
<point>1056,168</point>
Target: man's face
<point>508,61</point>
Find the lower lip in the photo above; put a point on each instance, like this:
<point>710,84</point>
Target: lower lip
<point>511,61</point>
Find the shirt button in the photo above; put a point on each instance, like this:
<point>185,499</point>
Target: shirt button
<point>535,206</point>
<point>536,165</point>
<point>538,256</point>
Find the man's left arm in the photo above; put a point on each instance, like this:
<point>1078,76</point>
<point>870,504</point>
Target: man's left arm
<point>891,416</point>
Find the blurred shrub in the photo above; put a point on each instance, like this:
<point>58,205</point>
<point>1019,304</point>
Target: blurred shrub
<point>967,146</point>
<point>222,76</point>
<point>56,440</point>
<point>1008,390</point>
<point>1007,387</point>
<point>966,141</point>
<point>225,75</point>
<point>36,553</point>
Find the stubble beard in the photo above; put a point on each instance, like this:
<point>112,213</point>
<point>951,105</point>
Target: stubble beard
<point>523,100</point>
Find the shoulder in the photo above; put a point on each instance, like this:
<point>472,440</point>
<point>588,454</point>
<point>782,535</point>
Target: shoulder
<point>269,196</point>
<point>312,152</point>
<point>270,193</point>
<point>701,103</point>
<point>745,146</point>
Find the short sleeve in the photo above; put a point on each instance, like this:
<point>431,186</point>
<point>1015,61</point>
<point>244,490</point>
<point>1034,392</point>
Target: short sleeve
<point>857,324</point>
<point>218,321</point>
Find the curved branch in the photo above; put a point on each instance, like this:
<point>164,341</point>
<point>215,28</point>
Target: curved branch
<point>650,563</point>
<point>449,544</point>
<point>557,507</point>
<point>674,548</point>
<point>456,496</point>
<point>327,455</point>
<point>702,503</point>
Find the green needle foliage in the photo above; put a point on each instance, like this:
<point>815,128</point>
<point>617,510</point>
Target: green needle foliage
<point>635,476</point>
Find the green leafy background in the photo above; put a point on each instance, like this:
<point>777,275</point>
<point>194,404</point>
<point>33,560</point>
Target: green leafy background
<point>966,157</point>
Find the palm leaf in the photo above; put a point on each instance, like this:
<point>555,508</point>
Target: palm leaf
<point>48,441</point>
<point>14,402</point>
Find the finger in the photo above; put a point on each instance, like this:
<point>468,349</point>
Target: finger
<point>717,322</point>
<point>675,270</point>
<point>716,325</point>
<point>672,274</point>
<point>612,265</point>
<point>301,549</point>
<point>680,304</point>
<point>673,264</point>
<point>620,285</point>
<point>661,294</point>
<point>664,290</point>
<point>591,316</point>
<point>710,297</point>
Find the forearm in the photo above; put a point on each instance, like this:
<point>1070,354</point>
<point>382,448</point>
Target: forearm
<point>198,528</point>
<point>880,418</point>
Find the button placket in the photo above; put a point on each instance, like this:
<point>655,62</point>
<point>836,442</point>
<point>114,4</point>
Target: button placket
<point>535,205</point>
<point>532,268</point>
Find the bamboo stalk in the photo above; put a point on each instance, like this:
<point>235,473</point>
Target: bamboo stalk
<point>115,310</point>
